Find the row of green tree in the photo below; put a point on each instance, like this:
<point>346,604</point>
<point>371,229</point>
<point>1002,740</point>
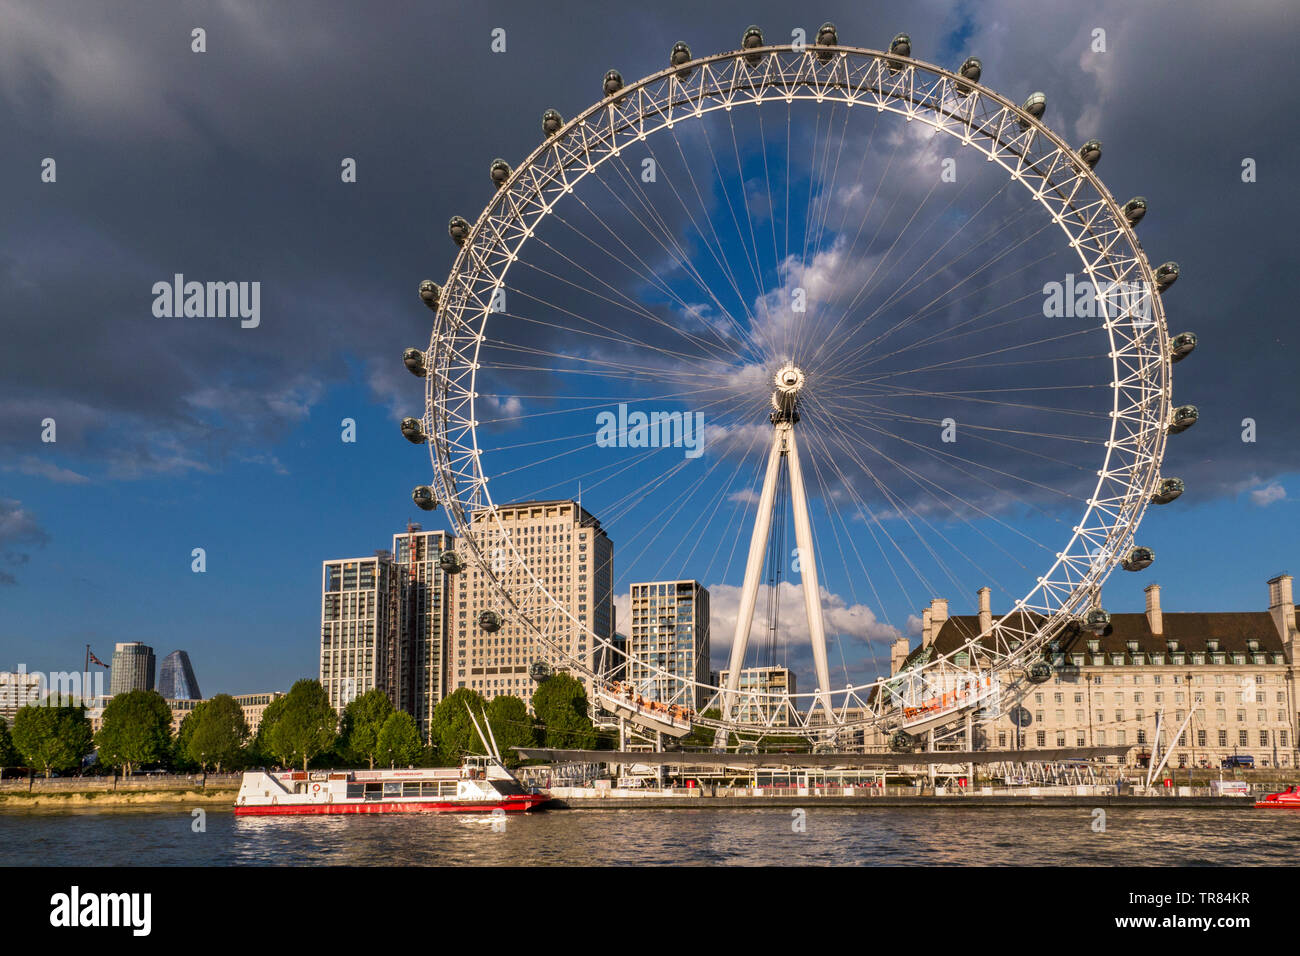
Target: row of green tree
<point>299,729</point>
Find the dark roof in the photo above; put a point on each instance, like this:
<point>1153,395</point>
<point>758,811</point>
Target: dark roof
<point>1192,630</point>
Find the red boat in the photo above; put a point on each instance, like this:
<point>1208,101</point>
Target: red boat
<point>1288,799</point>
<point>481,784</point>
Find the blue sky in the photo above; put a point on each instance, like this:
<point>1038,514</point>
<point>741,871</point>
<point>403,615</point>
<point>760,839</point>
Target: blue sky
<point>176,434</point>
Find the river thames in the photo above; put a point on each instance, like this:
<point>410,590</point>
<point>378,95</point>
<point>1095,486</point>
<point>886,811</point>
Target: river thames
<point>822,836</point>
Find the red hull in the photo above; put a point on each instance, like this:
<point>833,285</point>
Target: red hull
<point>1278,804</point>
<point>520,804</point>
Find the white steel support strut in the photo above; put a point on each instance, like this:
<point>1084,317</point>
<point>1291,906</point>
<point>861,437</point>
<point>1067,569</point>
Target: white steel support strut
<point>812,598</point>
<point>784,450</point>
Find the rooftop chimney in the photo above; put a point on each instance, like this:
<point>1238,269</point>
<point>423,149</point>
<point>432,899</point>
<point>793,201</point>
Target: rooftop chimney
<point>898,652</point>
<point>938,614</point>
<point>1282,605</point>
<point>925,628</point>
<point>986,610</point>
<point>1154,618</point>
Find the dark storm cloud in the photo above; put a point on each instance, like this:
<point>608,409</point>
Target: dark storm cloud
<point>19,531</point>
<point>225,166</point>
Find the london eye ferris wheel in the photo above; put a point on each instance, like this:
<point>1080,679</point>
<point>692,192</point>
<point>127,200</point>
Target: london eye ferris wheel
<point>847,291</point>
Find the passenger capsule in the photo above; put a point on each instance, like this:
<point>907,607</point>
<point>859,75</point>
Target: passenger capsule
<point>1097,620</point>
<point>450,562</point>
<point>1137,559</point>
<point>613,82</point>
<point>423,498</point>
<point>1134,210</point>
<point>1183,418</point>
<point>430,293</point>
<point>680,54</point>
<point>458,229</point>
<point>971,70</point>
<point>552,121</point>
<point>901,45</point>
<point>1181,346</point>
<point>1039,672</point>
<point>500,172</point>
<point>901,742</point>
<point>1090,153</point>
<point>412,431</point>
<point>1035,106</point>
<point>1167,491</point>
<point>490,621</point>
<point>1166,275</point>
<point>752,40</point>
<point>827,35</point>
<point>413,359</point>
<point>539,671</point>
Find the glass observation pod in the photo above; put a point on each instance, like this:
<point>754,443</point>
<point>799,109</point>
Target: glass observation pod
<point>1166,275</point>
<point>1167,491</point>
<point>1035,106</point>
<point>971,69</point>
<point>552,122</point>
<point>458,229</point>
<point>1134,210</point>
<point>1183,418</point>
<point>430,293</point>
<point>450,562</point>
<point>490,621</point>
<point>1138,559</point>
<point>413,359</point>
<point>752,40</point>
<point>680,54</point>
<point>901,45</point>
<point>412,431</point>
<point>1039,672</point>
<point>500,172</point>
<point>1097,620</point>
<point>1181,346</point>
<point>1090,153</point>
<point>827,35</point>
<point>613,82</point>
<point>424,498</point>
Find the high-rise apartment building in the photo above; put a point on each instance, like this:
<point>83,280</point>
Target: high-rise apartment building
<point>668,640</point>
<point>420,619</point>
<point>571,557</point>
<point>384,625</point>
<point>356,618</point>
<point>132,669</point>
<point>176,680</point>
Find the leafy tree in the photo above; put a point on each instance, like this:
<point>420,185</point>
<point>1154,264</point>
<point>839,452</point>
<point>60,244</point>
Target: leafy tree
<point>560,703</point>
<point>219,733</point>
<point>52,738</point>
<point>306,726</point>
<point>259,751</point>
<point>451,727</point>
<point>363,719</point>
<point>399,740</point>
<point>180,757</point>
<point>8,755</point>
<point>137,729</point>
<point>512,726</point>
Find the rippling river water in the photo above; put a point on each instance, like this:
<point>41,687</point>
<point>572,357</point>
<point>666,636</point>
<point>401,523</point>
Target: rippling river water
<point>957,836</point>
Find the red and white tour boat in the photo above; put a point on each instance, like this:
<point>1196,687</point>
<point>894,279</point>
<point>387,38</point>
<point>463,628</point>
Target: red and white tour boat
<point>481,784</point>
